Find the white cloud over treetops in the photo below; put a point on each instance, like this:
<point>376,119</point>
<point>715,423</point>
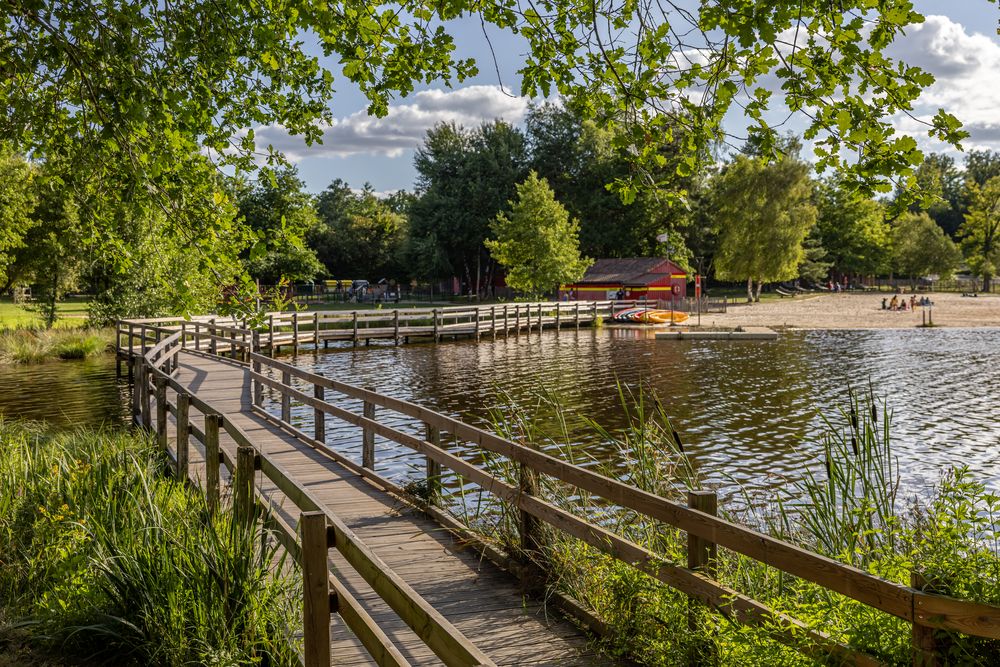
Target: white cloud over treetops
<point>404,127</point>
<point>966,66</point>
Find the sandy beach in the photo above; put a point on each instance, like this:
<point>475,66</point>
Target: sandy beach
<point>857,311</point>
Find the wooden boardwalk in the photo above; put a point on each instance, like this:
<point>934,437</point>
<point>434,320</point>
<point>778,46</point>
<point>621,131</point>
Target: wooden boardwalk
<point>482,601</point>
<point>385,579</point>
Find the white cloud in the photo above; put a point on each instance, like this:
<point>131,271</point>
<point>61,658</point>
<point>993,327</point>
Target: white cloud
<point>404,127</point>
<point>967,68</point>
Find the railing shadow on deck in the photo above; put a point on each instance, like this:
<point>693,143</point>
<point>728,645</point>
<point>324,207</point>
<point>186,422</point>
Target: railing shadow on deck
<point>706,532</point>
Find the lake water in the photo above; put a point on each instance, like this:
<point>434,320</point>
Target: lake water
<point>65,393</point>
<point>748,412</point>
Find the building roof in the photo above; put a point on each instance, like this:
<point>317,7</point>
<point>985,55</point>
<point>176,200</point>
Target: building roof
<point>630,270</point>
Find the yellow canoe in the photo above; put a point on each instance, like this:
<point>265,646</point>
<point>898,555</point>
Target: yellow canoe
<point>665,316</point>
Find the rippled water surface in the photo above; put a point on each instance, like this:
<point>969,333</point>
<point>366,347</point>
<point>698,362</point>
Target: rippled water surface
<point>64,393</point>
<point>748,411</point>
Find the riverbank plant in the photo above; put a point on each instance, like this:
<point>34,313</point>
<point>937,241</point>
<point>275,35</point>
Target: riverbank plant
<point>849,507</point>
<point>105,559</point>
<point>30,346</point>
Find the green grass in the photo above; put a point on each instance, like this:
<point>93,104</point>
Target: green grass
<point>30,346</point>
<point>72,313</point>
<point>849,510</point>
<point>105,559</point>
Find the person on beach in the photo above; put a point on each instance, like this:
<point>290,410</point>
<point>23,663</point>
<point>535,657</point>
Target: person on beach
<point>884,303</point>
<point>894,304</point>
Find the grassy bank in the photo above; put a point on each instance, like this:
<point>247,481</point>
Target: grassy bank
<point>102,558</point>
<point>31,346</point>
<point>850,510</point>
<point>72,313</point>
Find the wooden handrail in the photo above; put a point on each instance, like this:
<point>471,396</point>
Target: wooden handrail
<point>443,638</point>
<point>899,600</point>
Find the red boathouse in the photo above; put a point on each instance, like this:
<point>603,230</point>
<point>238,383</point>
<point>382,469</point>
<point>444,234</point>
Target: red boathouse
<point>628,278</point>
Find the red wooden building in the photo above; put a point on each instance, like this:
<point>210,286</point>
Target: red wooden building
<point>628,278</point>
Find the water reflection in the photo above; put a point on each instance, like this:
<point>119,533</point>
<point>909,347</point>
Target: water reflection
<point>748,411</point>
<point>64,393</point>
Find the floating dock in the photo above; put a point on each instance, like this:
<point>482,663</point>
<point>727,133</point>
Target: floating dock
<point>746,333</point>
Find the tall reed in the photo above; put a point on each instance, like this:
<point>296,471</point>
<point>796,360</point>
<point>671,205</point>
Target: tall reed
<point>849,507</point>
<point>105,558</point>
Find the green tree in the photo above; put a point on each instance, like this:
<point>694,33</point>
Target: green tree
<point>921,248</point>
<point>464,179</point>
<point>981,230</point>
<point>853,230</point>
<point>580,159</point>
<point>53,255</point>
<point>814,265</point>
<point>359,235</point>
<point>18,198</point>
<point>944,195</point>
<point>279,210</point>
<point>537,242</point>
<point>138,92</point>
<point>764,213</point>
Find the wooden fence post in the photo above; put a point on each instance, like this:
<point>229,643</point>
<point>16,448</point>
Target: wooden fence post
<point>232,345</point>
<point>702,555</point>
<point>183,430</point>
<point>368,437</point>
<point>558,314</point>
<point>517,319</point>
<point>161,412</point>
<point>576,314</point>
<point>927,650</point>
<point>436,337</point>
<point>493,321</point>
<point>316,329</point>
<point>258,386</point>
<point>395,326</point>
<point>316,599</point>
<point>243,501</point>
<point>433,467</point>
<point>197,335</point>
<point>319,416</point>
<point>213,345</point>
<point>506,329</point>
<point>354,318</point>
<point>147,419</point>
<point>213,422</point>
<point>529,525</point>
<point>286,400</point>
<point>270,335</point>
<point>541,324</point>
<point>295,332</point>
<point>137,390</point>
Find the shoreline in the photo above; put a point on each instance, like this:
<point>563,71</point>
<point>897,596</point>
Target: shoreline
<point>856,311</point>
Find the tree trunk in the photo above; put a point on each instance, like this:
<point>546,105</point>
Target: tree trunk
<point>756,296</point>
<point>749,290</point>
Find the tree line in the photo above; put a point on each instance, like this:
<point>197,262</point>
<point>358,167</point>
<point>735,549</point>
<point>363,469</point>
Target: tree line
<point>748,218</point>
<point>534,203</point>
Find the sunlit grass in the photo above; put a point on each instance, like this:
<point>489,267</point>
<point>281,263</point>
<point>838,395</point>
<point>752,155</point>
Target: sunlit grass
<point>106,559</point>
<point>29,346</point>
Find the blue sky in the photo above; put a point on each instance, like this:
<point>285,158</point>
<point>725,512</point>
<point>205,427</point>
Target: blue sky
<point>958,44</point>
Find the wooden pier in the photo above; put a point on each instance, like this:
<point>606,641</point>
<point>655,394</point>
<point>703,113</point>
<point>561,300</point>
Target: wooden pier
<point>390,578</point>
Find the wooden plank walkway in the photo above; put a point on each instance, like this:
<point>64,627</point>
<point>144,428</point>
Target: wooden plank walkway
<point>482,601</point>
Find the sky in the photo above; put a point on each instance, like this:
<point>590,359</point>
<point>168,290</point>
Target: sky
<point>958,43</point>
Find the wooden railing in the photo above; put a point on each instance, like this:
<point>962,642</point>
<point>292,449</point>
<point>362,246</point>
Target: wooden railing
<point>706,532</point>
<point>320,529</point>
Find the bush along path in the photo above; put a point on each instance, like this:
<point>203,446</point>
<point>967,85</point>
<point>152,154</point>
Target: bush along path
<point>104,559</point>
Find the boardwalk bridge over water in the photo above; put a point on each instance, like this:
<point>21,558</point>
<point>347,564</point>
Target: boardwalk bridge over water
<point>393,577</point>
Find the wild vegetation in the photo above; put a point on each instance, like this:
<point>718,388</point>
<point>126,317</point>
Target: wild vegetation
<point>850,509</point>
<point>106,559</point>
<point>29,346</point>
